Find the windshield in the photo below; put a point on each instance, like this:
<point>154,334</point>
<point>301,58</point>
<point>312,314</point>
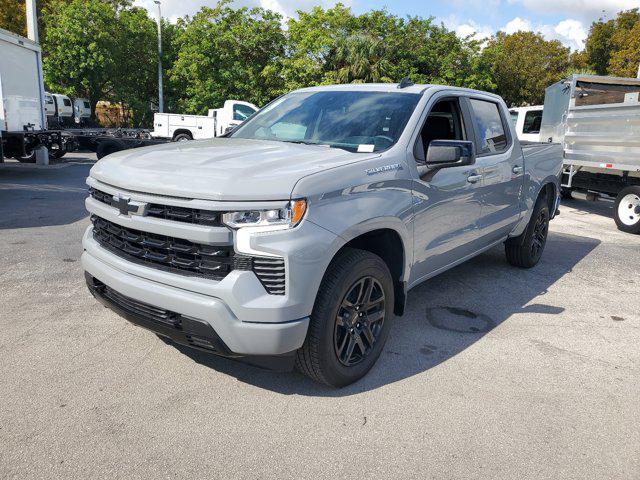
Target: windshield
<point>352,120</point>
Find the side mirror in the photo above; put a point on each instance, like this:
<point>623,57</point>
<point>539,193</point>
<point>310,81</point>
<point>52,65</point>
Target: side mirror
<point>450,153</point>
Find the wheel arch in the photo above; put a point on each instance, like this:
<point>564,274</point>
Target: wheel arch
<point>180,131</point>
<point>388,244</point>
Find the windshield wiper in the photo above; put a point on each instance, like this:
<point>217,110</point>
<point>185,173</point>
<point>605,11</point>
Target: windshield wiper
<point>305,142</point>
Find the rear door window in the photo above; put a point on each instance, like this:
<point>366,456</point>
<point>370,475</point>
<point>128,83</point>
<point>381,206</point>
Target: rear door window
<point>489,127</point>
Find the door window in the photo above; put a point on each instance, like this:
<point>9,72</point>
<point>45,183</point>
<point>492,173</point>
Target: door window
<point>489,127</point>
<point>444,122</point>
<point>67,102</point>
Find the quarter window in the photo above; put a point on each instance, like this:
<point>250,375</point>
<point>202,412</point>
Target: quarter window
<point>489,127</point>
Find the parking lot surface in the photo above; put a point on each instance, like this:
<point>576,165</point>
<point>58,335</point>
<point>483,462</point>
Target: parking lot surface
<point>494,372</point>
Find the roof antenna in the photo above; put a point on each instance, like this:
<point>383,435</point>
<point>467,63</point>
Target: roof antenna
<point>405,82</point>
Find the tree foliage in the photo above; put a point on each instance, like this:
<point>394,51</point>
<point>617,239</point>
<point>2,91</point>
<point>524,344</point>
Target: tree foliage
<point>106,50</point>
<point>523,64</point>
<point>226,53</point>
<point>612,47</point>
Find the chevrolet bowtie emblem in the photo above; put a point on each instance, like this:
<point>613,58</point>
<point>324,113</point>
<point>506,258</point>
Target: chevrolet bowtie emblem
<point>128,207</point>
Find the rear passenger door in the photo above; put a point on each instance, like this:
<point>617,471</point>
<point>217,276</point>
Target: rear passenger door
<point>500,161</point>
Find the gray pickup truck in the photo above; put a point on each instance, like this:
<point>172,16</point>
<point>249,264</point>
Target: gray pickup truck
<point>294,240</point>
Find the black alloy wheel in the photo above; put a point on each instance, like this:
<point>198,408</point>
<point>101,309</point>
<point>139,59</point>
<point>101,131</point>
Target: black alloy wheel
<point>359,321</point>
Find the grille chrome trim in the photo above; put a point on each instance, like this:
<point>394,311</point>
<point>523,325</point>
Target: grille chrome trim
<point>168,212</point>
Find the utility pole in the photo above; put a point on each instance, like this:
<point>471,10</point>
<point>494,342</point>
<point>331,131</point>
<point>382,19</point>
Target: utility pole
<point>32,21</point>
<point>160,101</point>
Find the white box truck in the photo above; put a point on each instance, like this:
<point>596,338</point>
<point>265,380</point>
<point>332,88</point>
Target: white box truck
<point>22,102</point>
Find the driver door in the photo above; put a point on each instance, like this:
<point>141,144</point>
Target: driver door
<point>446,201</point>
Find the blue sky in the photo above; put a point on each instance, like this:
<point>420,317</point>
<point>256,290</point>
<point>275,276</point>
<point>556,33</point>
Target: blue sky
<point>564,20</point>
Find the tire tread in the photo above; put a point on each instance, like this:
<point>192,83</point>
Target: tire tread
<point>308,356</point>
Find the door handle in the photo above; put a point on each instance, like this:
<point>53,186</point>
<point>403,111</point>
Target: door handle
<point>473,178</point>
<point>517,169</point>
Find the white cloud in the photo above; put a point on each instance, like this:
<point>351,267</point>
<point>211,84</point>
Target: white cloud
<point>517,25</point>
<point>572,33</point>
<point>586,10</point>
<point>469,27</point>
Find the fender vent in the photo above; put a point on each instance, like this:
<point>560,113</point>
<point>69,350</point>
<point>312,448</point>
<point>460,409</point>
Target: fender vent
<point>271,273</point>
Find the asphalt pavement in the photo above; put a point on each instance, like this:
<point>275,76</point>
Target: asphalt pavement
<point>494,372</point>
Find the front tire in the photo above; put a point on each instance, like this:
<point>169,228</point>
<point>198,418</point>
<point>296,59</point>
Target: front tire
<point>626,212</point>
<point>350,320</point>
<point>525,250</point>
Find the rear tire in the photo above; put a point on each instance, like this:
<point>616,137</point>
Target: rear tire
<point>57,153</point>
<point>108,147</point>
<point>525,250</point>
<point>182,137</point>
<point>31,158</point>
<point>350,320</point>
<point>626,212</point>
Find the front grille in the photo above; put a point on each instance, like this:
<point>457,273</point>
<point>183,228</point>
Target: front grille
<point>169,212</point>
<point>168,253</point>
<point>184,257</point>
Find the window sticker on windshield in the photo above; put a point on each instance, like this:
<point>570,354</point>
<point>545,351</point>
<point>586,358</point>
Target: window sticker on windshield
<point>365,148</point>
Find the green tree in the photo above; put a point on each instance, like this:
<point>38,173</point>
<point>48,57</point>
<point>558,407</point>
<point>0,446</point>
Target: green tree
<point>12,16</point>
<point>625,58</point>
<point>310,39</point>
<point>523,64</point>
<point>135,85</point>
<point>227,53</point>
<point>80,49</point>
<point>359,58</point>
<point>613,39</point>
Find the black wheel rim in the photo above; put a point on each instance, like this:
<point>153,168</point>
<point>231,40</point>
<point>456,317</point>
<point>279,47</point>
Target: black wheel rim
<point>359,321</point>
<point>539,237</point>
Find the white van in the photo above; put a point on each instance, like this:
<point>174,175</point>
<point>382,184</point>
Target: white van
<point>527,121</point>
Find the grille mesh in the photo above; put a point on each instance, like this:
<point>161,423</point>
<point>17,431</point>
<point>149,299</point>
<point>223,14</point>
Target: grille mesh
<point>164,252</point>
<point>184,257</point>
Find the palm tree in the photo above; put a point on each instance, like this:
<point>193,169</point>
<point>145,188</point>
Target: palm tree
<point>359,58</point>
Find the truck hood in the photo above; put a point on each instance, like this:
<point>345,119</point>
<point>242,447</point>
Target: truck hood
<point>219,169</point>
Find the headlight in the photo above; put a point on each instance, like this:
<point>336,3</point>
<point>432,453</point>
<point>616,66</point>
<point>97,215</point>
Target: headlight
<point>288,216</point>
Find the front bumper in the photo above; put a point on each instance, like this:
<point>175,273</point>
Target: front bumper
<point>205,322</point>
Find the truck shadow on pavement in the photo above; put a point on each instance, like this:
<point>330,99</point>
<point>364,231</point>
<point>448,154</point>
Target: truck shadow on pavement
<point>33,196</point>
<point>585,207</point>
<point>444,316</point>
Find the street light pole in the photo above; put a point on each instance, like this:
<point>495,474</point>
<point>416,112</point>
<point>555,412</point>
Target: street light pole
<point>160,101</point>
